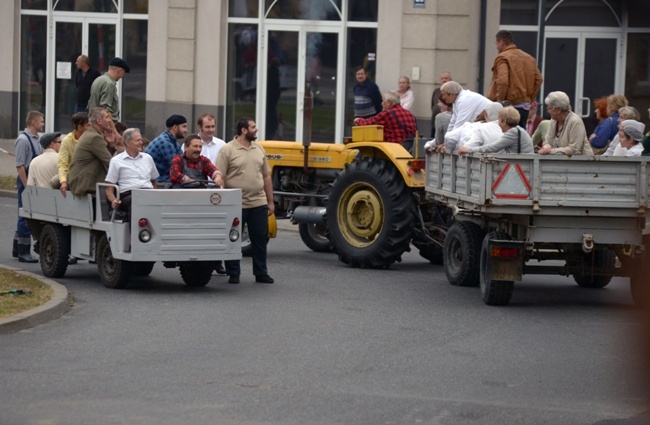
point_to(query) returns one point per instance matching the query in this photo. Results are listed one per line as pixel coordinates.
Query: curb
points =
(53, 309)
(9, 194)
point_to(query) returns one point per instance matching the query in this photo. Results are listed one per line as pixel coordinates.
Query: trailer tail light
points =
(505, 252)
(143, 222)
(235, 222)
(417, 164)
(234, 233)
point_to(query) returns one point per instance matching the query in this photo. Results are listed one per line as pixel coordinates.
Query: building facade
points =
(290, 63)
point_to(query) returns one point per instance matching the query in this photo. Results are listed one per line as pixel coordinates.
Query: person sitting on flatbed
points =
(192, 166)
(513, 140)
(566, 134)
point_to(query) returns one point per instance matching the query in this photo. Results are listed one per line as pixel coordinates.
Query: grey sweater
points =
(508, 143)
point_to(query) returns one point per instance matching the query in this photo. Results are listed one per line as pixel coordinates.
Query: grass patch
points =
(14, 304)
(8, 183)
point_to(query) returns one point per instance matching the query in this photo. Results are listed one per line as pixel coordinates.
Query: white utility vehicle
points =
(186, 228)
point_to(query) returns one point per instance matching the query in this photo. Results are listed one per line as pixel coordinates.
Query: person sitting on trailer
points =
(192, 169)
(514, 139)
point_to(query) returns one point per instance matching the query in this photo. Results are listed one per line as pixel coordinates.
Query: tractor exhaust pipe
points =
(315, 215)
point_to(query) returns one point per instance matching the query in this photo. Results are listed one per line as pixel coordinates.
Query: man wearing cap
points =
(43, 168)
(165, 147)
(630, 135)
(27, 148)
(103, 92)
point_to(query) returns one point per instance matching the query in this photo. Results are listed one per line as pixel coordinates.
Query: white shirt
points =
(484, 134)
(211, 150)
(132, 173)
(466, 108)
(457, 138)
(612, 146)
(635, 150)
(43, 168)
(406, 99)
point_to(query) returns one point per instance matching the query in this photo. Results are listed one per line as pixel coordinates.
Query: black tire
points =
(461, 253)
(602, 257)
(494, 292)
(114, 274)
(369, 214)
(142, 268)
(315, 237)
(432, 252)
(197, 274)
(54, 250)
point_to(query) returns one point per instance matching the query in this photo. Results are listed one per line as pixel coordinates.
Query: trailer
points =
(519, 214)
(186, 228)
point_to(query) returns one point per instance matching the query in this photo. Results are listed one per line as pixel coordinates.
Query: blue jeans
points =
(22, 230)
(258, 224)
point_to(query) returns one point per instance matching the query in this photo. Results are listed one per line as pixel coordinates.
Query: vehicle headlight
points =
(145, 236)
(234, 235)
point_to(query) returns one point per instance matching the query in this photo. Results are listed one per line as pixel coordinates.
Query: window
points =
(34, 4)
(519, 12)
(242, 74)
(32, 65)
(102, 6)
(134, 85)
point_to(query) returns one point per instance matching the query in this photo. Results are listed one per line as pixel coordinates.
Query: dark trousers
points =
(523, 117)
(22, 230)
(257, 220)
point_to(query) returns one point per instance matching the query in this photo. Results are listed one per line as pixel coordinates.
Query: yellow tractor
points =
(364, 199)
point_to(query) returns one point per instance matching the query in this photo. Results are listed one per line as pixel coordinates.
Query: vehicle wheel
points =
(369, 215)
(315, 236)
(431, 252)
(461, 253)
(142, 268)
(197, 274)
(602, 257)
(115, 274)
(54, 250)
(493, 292)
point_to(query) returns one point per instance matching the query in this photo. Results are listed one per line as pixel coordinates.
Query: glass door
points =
(73, 37)
(584, 65)
(301, 77)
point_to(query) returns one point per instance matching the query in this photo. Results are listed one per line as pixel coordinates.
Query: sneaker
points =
(234, 278)
(264, 279)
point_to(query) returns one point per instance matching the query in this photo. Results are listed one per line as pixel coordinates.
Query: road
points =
(326, 344)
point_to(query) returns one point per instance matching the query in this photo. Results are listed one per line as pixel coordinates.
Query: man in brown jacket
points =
(91, 155)
(515, 76)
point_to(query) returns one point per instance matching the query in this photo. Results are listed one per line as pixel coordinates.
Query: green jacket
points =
(103, 93)
(89, 163)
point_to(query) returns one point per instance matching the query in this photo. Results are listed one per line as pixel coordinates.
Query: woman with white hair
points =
(513, 140)
(566, 133)
(630, 135)
(625, 113)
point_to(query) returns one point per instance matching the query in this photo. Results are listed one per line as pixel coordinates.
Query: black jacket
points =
(83, 85)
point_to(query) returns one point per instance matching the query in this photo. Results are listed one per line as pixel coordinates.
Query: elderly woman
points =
(625, 113)
(607, 129)
(630, 136)
(566, 133)
(513, 140)
(405, 93)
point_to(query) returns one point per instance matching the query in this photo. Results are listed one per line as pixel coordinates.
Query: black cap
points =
(175, 120)
(47, 138)
(121, 63)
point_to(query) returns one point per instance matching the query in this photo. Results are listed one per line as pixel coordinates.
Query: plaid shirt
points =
(178, 166)
(393, 131)
(163, 149)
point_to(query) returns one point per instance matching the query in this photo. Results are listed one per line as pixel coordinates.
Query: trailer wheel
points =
(197, 274)
(601, 258)
(315, 236)
(461, 253)
(54, 250)
(142, 268)
(114, 274)
(494, 292)
(369, 215)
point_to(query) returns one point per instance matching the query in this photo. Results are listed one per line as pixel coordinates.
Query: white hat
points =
(492, 110)
(633, 129)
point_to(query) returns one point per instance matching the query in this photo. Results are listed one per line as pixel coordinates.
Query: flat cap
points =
(47, 138)
(121, 63)
(175, 120)
(634, 129)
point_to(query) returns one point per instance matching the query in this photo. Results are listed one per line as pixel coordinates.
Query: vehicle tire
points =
(603, 257)
(54, 250)
(142, 268)
(197, 274)
(315, 236)
(461, 253)
(114, 274)
(494, 292)
(431, 252)
(369, 214)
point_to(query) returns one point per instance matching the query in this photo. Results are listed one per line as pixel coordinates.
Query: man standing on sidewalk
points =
(243, 165)
(103, 92)
(27, 148)
(515, 76)
(84, 80)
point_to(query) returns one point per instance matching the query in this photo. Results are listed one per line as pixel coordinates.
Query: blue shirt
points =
(163, 149)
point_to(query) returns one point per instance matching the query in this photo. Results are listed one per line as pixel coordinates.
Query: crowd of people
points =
(507, 120)
(102, 149)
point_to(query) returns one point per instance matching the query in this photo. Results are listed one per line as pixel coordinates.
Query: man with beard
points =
(244, 165)
(165, 147)
(91, 155)
(192, 166)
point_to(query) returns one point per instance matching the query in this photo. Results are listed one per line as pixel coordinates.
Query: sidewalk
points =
(7, 162)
